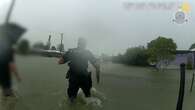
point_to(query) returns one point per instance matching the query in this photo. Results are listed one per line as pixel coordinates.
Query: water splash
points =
(7, 103)
(95, 102)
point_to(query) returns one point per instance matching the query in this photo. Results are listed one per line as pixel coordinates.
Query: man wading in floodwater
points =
(78, 75)
(9, 35)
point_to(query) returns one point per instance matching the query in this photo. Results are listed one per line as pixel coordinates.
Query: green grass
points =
(126, 88)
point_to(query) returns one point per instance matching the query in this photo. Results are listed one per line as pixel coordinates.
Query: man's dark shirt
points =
(6, 57)
(78, 60)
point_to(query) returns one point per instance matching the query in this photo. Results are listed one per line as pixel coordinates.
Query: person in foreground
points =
(7, 68)
(9, 35)
(78, 74)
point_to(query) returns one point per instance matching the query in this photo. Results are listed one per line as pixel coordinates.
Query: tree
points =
(133, 56)
(53, 48)
(47, 46)
(136, 56)
(23, 46)
(118, 59)
(39, 45)
(192, 46)
(161, 51)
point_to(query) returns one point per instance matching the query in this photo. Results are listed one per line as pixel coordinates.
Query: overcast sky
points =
(106, 24)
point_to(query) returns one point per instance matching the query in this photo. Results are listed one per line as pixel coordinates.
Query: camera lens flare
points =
(185, 7)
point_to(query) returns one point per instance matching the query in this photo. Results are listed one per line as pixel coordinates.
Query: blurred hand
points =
(14, 71)
(61, 61)
(19, 79)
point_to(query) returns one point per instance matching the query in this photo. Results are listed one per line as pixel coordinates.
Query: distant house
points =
(183, 56)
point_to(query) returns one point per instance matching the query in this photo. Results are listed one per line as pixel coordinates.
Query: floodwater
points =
(121, 88)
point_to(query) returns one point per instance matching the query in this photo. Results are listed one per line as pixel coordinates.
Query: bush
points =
(189, 66)
(39, 45)
(133, 56)
(23, 46)
(118, 59)
(136, 56)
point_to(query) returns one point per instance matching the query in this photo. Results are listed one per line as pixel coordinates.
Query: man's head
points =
(82, 43)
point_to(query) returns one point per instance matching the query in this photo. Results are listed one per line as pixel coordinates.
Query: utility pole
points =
(61, 45)
(192, 82)
(48, 46)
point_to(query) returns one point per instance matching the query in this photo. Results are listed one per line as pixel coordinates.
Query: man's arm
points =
(61, 60)
(14, 71)
(12, 66)
(65, 58)
(95, 64)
